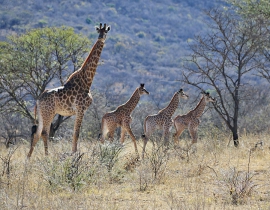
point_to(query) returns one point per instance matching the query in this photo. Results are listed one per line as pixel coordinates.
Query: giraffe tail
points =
(144, 128)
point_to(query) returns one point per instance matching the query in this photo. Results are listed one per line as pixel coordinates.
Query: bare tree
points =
(223, 62)
(12, 128)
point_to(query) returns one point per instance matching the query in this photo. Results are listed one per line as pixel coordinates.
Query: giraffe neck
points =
(198, 111)
(84, 76)
(130, 105)
(170, 109)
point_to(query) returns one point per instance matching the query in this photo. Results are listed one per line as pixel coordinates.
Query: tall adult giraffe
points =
(191, 119)
(162, 120)
(71, 99)
(121, 118)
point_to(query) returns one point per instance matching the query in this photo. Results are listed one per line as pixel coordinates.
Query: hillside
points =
(147, 42)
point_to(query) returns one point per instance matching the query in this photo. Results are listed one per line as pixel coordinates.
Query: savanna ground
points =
(212, 175)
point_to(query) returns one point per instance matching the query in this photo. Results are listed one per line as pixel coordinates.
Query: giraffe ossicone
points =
(72, 99)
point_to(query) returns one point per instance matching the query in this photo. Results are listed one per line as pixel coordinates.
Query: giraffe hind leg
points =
(35, 136)
(34, 141)
(110, 136)
(42, 131)
(147, 133)
(45, 136)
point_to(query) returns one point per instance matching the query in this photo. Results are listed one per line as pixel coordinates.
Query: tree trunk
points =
(55, 126)
(235, 138)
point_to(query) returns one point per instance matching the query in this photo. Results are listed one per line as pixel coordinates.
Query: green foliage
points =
(70, 172)
(110, 4)
(141, 34)
(157, 160)
(31, 61)
(88, 20)
(119, 46)
(159, 38)
(42, 23)
(250, 8)
(109, 155)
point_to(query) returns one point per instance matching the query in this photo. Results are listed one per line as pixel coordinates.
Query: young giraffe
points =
(191, 120)
(71, 99)
(162, 120)
(121, 118)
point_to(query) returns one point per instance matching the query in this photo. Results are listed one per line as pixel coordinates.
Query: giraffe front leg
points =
(193, 132)
(194, 136)
(76, 132)
(128, 129)
(145, 140)
(166, 137)
(166, 133)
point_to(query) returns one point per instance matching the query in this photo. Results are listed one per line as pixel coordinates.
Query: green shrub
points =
(88, 20)
(109, 155)
(141, 34)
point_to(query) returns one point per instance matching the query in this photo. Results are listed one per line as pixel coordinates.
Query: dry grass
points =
(214, 175)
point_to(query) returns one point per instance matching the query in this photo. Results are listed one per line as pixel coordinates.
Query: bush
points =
(88, 20)
(141, 34)
(237, 185)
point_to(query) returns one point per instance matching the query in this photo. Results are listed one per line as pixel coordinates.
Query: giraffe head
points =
(208, 98)
(102, 31)
(142, 90)
(182, 94)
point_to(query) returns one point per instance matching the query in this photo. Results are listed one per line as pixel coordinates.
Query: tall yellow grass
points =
(198, 178)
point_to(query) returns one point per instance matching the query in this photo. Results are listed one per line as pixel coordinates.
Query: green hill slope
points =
(147, 42)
